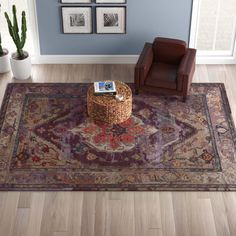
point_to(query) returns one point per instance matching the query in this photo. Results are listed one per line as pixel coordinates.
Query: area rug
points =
(48, 142)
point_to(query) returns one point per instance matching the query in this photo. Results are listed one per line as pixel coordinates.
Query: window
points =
(7, 42)
(213, 29)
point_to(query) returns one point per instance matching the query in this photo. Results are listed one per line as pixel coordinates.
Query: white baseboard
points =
(215, 60)
(85, 59)
(115, 59)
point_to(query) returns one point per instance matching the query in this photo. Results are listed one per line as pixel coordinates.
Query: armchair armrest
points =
(186, 70)
(143, 65)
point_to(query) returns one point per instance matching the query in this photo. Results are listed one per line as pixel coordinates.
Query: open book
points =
(105, 87)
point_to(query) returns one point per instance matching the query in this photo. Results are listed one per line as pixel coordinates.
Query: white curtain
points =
(216, 25)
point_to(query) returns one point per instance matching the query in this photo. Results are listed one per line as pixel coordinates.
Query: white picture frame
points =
(75, 1)
(111, 1)
(77, 20)
(111, 20)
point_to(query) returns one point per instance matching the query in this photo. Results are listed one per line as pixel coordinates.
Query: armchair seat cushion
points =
(162, 76)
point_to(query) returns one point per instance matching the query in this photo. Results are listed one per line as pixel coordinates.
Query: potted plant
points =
(20, 60)
(4, 57)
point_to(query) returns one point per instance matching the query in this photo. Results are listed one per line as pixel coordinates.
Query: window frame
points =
(32, 9)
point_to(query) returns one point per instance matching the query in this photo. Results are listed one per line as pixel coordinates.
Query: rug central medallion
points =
(113, 138)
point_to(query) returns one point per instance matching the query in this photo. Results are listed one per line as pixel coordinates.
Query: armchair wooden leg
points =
(184, 98)
(136, 91)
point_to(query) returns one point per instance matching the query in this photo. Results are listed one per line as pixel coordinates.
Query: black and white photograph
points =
(77, 20)
(111, 20)
(110, 1)
(75, 1)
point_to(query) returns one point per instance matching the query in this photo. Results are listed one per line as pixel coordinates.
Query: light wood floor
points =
(119, 213)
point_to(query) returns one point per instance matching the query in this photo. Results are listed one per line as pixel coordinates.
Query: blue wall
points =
(146, 19)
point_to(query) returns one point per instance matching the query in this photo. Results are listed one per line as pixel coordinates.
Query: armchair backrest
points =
(169, 51)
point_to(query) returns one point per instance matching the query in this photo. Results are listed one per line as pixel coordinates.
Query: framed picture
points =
(75, 1)
(77, 20)
(110, 1)
(111, 20)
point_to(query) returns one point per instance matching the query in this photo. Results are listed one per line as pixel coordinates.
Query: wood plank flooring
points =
(119, 213)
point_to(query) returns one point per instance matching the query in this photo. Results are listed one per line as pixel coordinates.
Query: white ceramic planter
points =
(21, 69)
(5, 62)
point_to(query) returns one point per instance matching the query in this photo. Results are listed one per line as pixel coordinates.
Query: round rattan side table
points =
(106, 108)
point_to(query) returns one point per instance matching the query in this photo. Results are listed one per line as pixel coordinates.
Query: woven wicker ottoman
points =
(106, 108)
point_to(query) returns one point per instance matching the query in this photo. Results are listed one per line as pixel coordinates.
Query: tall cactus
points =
(18, 39)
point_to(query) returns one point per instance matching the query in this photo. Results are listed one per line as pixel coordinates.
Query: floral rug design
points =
(48, 142)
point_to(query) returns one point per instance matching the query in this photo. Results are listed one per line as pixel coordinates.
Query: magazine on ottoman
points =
(105, 87)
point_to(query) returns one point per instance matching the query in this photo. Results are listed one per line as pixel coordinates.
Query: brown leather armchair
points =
(166, 67)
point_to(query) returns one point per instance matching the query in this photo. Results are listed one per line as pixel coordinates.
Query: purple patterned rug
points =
(48, 142)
